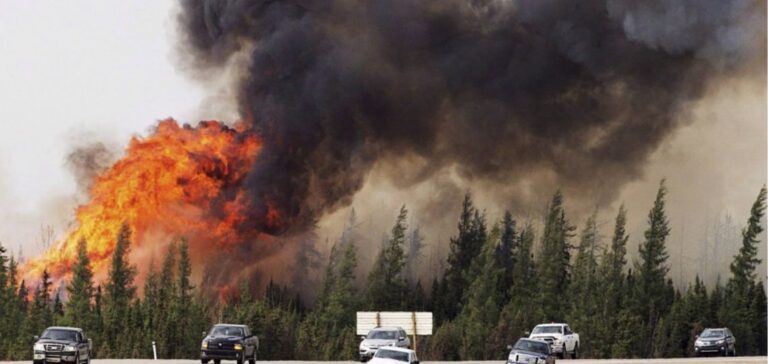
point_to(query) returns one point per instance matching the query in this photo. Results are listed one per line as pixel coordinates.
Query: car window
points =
(532, 345)
(547, 330)
(382, 335)
(568, 330)
(713, 333)
(227, 331)
(59, 334)
(392, 354)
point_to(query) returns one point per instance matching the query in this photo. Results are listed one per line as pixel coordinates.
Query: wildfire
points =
(179, 181)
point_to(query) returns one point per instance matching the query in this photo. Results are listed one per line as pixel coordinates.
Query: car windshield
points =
(59, 334)
(547, 330)
(532, 345)
(382, 335)
(226, 331)
(392, 354)
(712, 333)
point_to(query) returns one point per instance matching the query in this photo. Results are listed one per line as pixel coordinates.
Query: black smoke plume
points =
(579, 91)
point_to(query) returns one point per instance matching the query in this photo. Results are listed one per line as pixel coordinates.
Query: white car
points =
(562, 340)
(394, 355)
(382, 337)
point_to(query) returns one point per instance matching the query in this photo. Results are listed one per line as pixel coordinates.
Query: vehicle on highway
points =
(382, 336)
(60, 344)
(562, 340)
(530, 351)
(715, 341)
(394, 355)
(229, 342)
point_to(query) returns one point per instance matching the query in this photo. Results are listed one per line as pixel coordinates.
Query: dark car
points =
(62, 345)
(530, 351)
(715, 341)
(229, 342)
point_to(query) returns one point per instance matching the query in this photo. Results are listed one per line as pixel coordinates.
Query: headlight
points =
(238, 346)
(720, 341)
(205, 344)
(39, 347)
(69, 348)
(363, 346)
(698, 343)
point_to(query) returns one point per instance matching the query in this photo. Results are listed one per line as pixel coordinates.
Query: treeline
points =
(502, 278)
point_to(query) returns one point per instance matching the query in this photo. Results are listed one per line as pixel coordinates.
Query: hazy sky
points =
(78, 71)
(72, 71)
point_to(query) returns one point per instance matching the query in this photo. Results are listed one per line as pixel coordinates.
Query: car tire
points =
(253, 358)
(204, 361)
(216, 361)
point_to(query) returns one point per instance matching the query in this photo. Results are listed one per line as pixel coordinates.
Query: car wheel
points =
(575, 353)
(253, 358)
(241, 360)
(204, 361)
(216, 361)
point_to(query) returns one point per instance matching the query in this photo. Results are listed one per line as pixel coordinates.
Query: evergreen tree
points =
(740, 292)
(583, 291)
(611, 286)
(80, 291)
(651, 270)
(386, 284)
(505, 254)
(554, 260)
(119, 295)
(463, 249)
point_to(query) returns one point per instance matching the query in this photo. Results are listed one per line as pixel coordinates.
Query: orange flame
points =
(180, 181)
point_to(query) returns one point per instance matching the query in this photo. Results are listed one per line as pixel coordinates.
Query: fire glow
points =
(181, 181)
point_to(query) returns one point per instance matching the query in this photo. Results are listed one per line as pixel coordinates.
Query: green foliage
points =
(554, 260)
(80, 291)
(386, 282)
(583, 292)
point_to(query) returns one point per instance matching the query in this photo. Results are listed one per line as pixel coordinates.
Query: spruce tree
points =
(80, 291)
(652, 270)
(386, 284)
(583, 293)
(119, 294)
(736, 312)
(554, 260)
(482, 302)
(612, 285)
(505, 253)
(463, 249)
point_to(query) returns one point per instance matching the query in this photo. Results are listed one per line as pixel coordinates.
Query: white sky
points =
(102, 70)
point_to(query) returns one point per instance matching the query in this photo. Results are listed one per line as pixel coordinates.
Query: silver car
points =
(382, 336)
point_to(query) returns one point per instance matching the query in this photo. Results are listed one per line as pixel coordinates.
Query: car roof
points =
(552, 324)
(387, 328)
(64, 328)
(395, 348)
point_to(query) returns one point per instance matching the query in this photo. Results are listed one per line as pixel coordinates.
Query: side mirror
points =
(509, 347)
(36, 337)
(90, 342)
(696, 337)
(204, 334)
(401, 338)
(526, 333)
(362, 338)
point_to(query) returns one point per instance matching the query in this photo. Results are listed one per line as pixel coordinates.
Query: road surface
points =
(737, 360)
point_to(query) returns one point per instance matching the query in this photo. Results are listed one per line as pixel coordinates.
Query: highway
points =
(737, 360)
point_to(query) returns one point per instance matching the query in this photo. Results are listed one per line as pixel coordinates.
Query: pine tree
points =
(463, 249)
(505, 254)
(652, 270)
(80, 289)
(554, 260)
(583, 291)
(739, 297)
(119, 294)
(612, 285)
(386, 284)
(482, 301)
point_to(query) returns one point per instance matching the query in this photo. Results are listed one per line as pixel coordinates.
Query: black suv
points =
(715, 341)
(229, 342)
(62, 345)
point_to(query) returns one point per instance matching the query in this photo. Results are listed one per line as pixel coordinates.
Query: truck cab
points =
(562, 340)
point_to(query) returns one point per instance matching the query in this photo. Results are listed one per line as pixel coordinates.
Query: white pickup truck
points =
(562, 340)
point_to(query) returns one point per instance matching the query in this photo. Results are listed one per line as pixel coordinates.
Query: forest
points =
(501, 279)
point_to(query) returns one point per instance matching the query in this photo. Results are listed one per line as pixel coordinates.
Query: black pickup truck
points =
(229, 342)
(62, 345)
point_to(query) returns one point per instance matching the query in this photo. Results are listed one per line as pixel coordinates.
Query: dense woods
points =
(502, 278)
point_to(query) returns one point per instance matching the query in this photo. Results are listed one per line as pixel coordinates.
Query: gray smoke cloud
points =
(582, 92)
